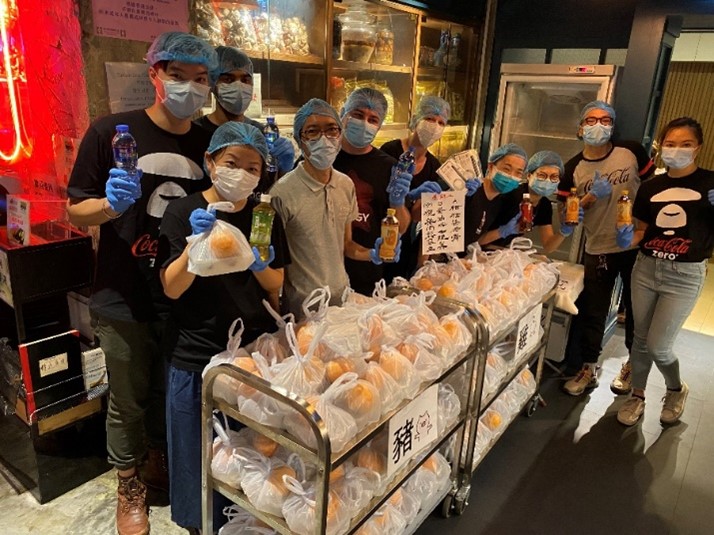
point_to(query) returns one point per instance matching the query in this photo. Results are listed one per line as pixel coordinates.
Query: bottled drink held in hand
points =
(405, 164)
(390, 236)
(124, 147)
(271, 133)
(262, 227)
(624, 209)
(525, 223)
(572, 209)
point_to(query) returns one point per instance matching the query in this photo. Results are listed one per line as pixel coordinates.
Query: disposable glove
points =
(201, 220)
(601, 186)
(284, 153)
(567, 230)
(374, 253)
(426, 187)
(510, 228)
(122, 190)
(259, 264)
(472, 186)
(624, 236)
(710, 196)
(398, 188)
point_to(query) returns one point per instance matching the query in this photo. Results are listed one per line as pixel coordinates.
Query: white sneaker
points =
(631, 411)
(585, 379)
(622, 383)
(673, 405)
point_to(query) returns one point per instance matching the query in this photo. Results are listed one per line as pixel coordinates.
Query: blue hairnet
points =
(366, 97)
(314, 106)
(183, 47)
(430, 105)
(231, 59)
(235, 133)
(505, 150)
(597, 105)
(543, 158)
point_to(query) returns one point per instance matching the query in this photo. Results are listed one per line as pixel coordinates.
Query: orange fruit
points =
(264, 445)
(337, 367)
(423, 284)
(276, 478)
(360, 399)
(448, 289)
(223, 243)
(372, 460)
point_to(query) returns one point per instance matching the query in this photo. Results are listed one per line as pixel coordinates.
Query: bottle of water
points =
(272, 133)
(405, 164)
(124, 146)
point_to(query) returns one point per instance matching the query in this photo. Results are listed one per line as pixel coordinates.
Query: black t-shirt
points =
(394, 149)
(126, 285)
(482, 214)
(370, 174)
(542, 213)
(679, 217)
(201, 317)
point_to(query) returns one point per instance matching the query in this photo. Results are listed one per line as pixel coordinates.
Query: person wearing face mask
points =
(370, 169)
(203, 308)
(317, 205)
(233, 92)
(127, 303)
(600, 173)
(674, 215)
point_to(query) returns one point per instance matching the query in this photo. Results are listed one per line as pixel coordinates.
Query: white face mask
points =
(323, 152)
(677, 157)
(234, 97)
(234, 184)
(183, 99)
(429, 132)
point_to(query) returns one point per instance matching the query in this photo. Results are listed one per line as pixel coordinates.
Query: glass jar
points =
(381, 85)
(384, 45)
(358, 35)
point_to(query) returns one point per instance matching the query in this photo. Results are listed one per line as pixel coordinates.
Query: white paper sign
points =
(139, 20)
(528, 332)
(94, 368)
(55, 364)
(255, 108)
(18, 220)
(129, 86)
(412, 429)
(5, 285)
(442, 222)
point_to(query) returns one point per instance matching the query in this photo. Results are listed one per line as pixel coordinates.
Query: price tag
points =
(528, 332)
(412, 429)
(55, 364)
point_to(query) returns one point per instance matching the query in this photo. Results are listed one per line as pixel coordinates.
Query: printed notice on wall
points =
(139, 20)
(129, 86)
(5, 285)
(442, 222)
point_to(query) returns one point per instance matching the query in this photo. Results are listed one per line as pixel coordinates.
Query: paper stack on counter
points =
(459, 168)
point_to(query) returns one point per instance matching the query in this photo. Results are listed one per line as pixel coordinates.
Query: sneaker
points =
(673, 405)
(584, 380)
(132, 513)
(622, 383)
(631, 411)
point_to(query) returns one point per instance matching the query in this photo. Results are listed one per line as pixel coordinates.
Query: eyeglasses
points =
(553, 178)
(605, 121)
(312, 134)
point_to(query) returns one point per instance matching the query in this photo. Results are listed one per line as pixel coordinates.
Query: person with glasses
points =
(600, 173)
(317, 205)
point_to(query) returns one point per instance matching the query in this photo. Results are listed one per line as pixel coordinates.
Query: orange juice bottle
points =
(624, 209)
(390, 236)
(572, 208)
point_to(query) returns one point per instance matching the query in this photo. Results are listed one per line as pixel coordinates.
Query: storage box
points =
(36, 220)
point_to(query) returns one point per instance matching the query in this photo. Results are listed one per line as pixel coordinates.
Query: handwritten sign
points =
(412, 429)
(442, 222)
(129, 86)
(139, 20)
(528, 332)
(55, 364)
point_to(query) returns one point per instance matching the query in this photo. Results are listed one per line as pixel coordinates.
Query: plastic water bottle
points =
(272, 133)
(124, 146)
(405, 164)
(262, 226)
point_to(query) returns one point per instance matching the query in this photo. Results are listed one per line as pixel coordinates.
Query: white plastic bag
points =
(571, 283)
(241, 522)
(301, 374)
(301, 516)
(449, 407)
(229, 454)
(356, 486)
(357, 397)
(387, 520)
(225, 387)
(222, 249)
(264, 485)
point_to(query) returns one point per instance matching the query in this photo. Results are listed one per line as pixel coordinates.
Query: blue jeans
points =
(663, 295)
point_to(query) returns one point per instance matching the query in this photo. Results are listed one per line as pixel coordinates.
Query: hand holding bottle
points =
(567, 230)
(122, 190)
(284, 153)
(374, 252)
(427, 187)
(601, 187)
(399, 185)
(624, 236)
(510, 228)
(201, 220)
(260, 264)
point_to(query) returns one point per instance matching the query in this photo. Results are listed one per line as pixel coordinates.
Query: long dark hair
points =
(682, 122)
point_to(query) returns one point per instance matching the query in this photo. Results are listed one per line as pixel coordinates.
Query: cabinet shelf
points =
(437, 72)
(546, 135)
(356, 66)
(311, 59)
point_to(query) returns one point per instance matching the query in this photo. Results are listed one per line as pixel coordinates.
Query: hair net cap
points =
(366, 97)
(236, 133)
(183, 47)
(545, 158)
(505, 150)
(314, 106)
(231, 59)
(597, 105)
(430, 105)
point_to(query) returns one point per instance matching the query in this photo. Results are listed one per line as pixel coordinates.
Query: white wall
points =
(694, 47)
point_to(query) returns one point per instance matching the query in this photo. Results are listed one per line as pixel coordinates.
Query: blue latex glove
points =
(710, 196)
(259, 264)
(201, 220)
(472, 186)
(625, 235)
(399, 185)
(284, 153)
(567, 230)
(601, 186)
(374, 253)
(510, 228)
(426, 187)
(122, 190)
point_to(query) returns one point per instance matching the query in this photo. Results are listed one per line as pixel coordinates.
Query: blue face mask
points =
(597, 134)
(323, 152)
(544, 188)
(504, 183)
(360, 133)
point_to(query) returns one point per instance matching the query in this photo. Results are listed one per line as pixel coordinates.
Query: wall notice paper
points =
(139, 20)
(129, 86)
(412, 429)
(442, 222)
(18, 220)
(5, 284)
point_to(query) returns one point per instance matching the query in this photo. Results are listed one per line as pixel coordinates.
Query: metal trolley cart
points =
(461, 371)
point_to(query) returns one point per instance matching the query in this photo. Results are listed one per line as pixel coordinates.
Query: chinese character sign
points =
(129, 86)
(140, 20)
(442, 222)
(412, 429)
(528, 332)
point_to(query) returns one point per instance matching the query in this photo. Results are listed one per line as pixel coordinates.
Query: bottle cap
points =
(391, 211)
(121, 128)
(264, 197)
(526, 196)
(625, 192)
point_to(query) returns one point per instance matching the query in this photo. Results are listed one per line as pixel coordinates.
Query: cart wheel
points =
(532, 406)
(447, 506)
(460, 506)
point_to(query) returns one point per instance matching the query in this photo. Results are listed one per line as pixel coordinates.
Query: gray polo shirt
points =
(315, 216)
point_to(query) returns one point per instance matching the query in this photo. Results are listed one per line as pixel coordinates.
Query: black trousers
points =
(588, 326)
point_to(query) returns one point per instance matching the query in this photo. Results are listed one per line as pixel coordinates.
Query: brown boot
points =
(132, 512)
(155, 471)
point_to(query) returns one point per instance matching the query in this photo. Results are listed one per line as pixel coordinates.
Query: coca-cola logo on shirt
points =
(145, 246)
(618, 176)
